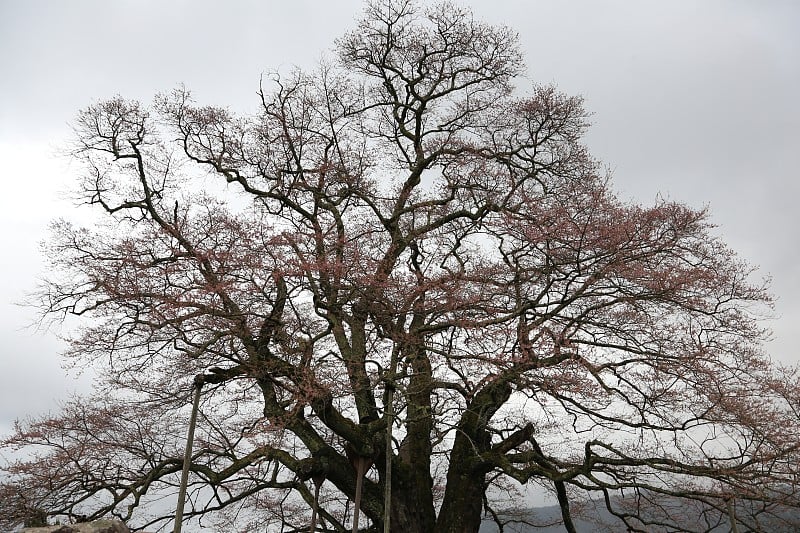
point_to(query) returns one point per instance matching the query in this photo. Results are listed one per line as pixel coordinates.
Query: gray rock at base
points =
(98, 526)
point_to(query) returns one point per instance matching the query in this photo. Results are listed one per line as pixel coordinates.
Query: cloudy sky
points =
(694, 100)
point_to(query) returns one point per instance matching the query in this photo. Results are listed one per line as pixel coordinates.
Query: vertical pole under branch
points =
(361, 467)
(318, 481)
(732, 515)
(187, 455)
(387, 489)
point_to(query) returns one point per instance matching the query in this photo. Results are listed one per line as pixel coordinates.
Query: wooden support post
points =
(732, 515)
(318, 481)
(187, 455)
(387, 490)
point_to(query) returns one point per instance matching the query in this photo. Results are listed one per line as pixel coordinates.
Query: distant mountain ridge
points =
(593, 517)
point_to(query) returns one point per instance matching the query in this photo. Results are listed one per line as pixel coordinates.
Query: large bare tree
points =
(402, 225)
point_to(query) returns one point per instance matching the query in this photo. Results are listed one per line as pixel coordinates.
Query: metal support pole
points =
(732, 515)
(187, 455)
(361, 467)
(318, 481)
(387, 491)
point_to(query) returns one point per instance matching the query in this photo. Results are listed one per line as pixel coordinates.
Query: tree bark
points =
(563, 502)
(461, 509)
(412, 509)
(466, 475)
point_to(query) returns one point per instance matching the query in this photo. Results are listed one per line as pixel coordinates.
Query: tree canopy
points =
(403, 245)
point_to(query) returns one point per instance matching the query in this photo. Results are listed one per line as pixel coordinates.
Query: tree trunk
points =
(412, 484)
(407, 517)
(412, 504)
(466, 474)
(461, 509)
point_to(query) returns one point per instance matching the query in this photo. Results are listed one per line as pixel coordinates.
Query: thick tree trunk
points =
(466, 474)
(463, 500)
(412, 484)
(413, 509)
(463, 511)
(409, 514)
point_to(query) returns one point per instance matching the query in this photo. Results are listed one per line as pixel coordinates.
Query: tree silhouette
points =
(403, 222)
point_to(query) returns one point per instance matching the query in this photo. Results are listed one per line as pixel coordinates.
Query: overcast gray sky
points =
(696, 100)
